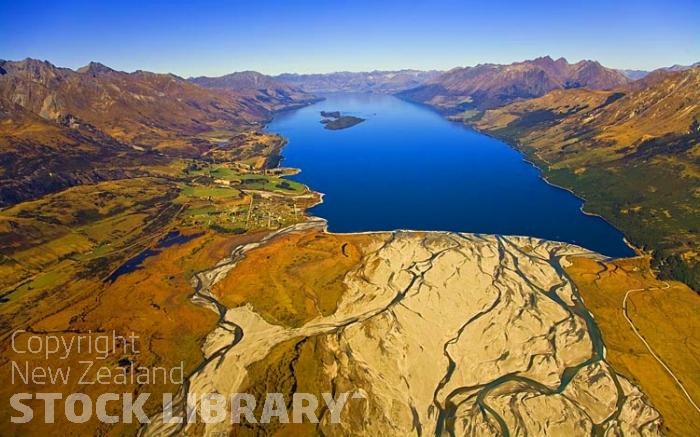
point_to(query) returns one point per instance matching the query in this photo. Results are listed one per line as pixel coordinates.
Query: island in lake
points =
(333, 120)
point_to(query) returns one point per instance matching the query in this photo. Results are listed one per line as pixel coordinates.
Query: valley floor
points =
(478, 335)
(95, 258)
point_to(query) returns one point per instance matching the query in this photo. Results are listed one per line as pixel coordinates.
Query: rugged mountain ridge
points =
(374, 81)
(142, 108)
(491, 85)
(259, 86)
(60, 127)
(240, 81)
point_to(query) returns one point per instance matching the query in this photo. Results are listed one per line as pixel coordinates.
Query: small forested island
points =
(335, 121)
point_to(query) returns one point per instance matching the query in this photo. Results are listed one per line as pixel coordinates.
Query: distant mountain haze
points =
(275, 93)
(634, 74)
(640, 74)
(243, 80)
(374, 81)
(385, 82)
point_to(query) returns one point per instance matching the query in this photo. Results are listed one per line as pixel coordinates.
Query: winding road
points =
(648, 346)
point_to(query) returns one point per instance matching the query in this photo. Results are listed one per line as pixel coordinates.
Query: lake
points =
(407, 167)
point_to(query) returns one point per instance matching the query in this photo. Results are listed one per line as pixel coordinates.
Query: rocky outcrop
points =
(442, 333)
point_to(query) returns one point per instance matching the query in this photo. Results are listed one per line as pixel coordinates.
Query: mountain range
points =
(272, 91)
(388, 82)
(639, 74)
(141, 108)
(491, 85)
(62, 127)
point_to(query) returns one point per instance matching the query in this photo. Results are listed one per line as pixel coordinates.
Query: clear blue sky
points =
(218, 37)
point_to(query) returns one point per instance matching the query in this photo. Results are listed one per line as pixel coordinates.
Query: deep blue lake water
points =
(407, 167)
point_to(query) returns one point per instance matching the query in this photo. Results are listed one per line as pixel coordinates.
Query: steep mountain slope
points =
(374, 81)
(489, 85)
(263, 88)
(633, 154)
(60, 127)
(39, 156)
(143, 108)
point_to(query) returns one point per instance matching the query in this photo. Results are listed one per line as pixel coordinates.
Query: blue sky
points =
(217, 37)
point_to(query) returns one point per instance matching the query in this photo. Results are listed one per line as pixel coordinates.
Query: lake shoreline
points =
(515, 145)
(542, 172)
(450, 220)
